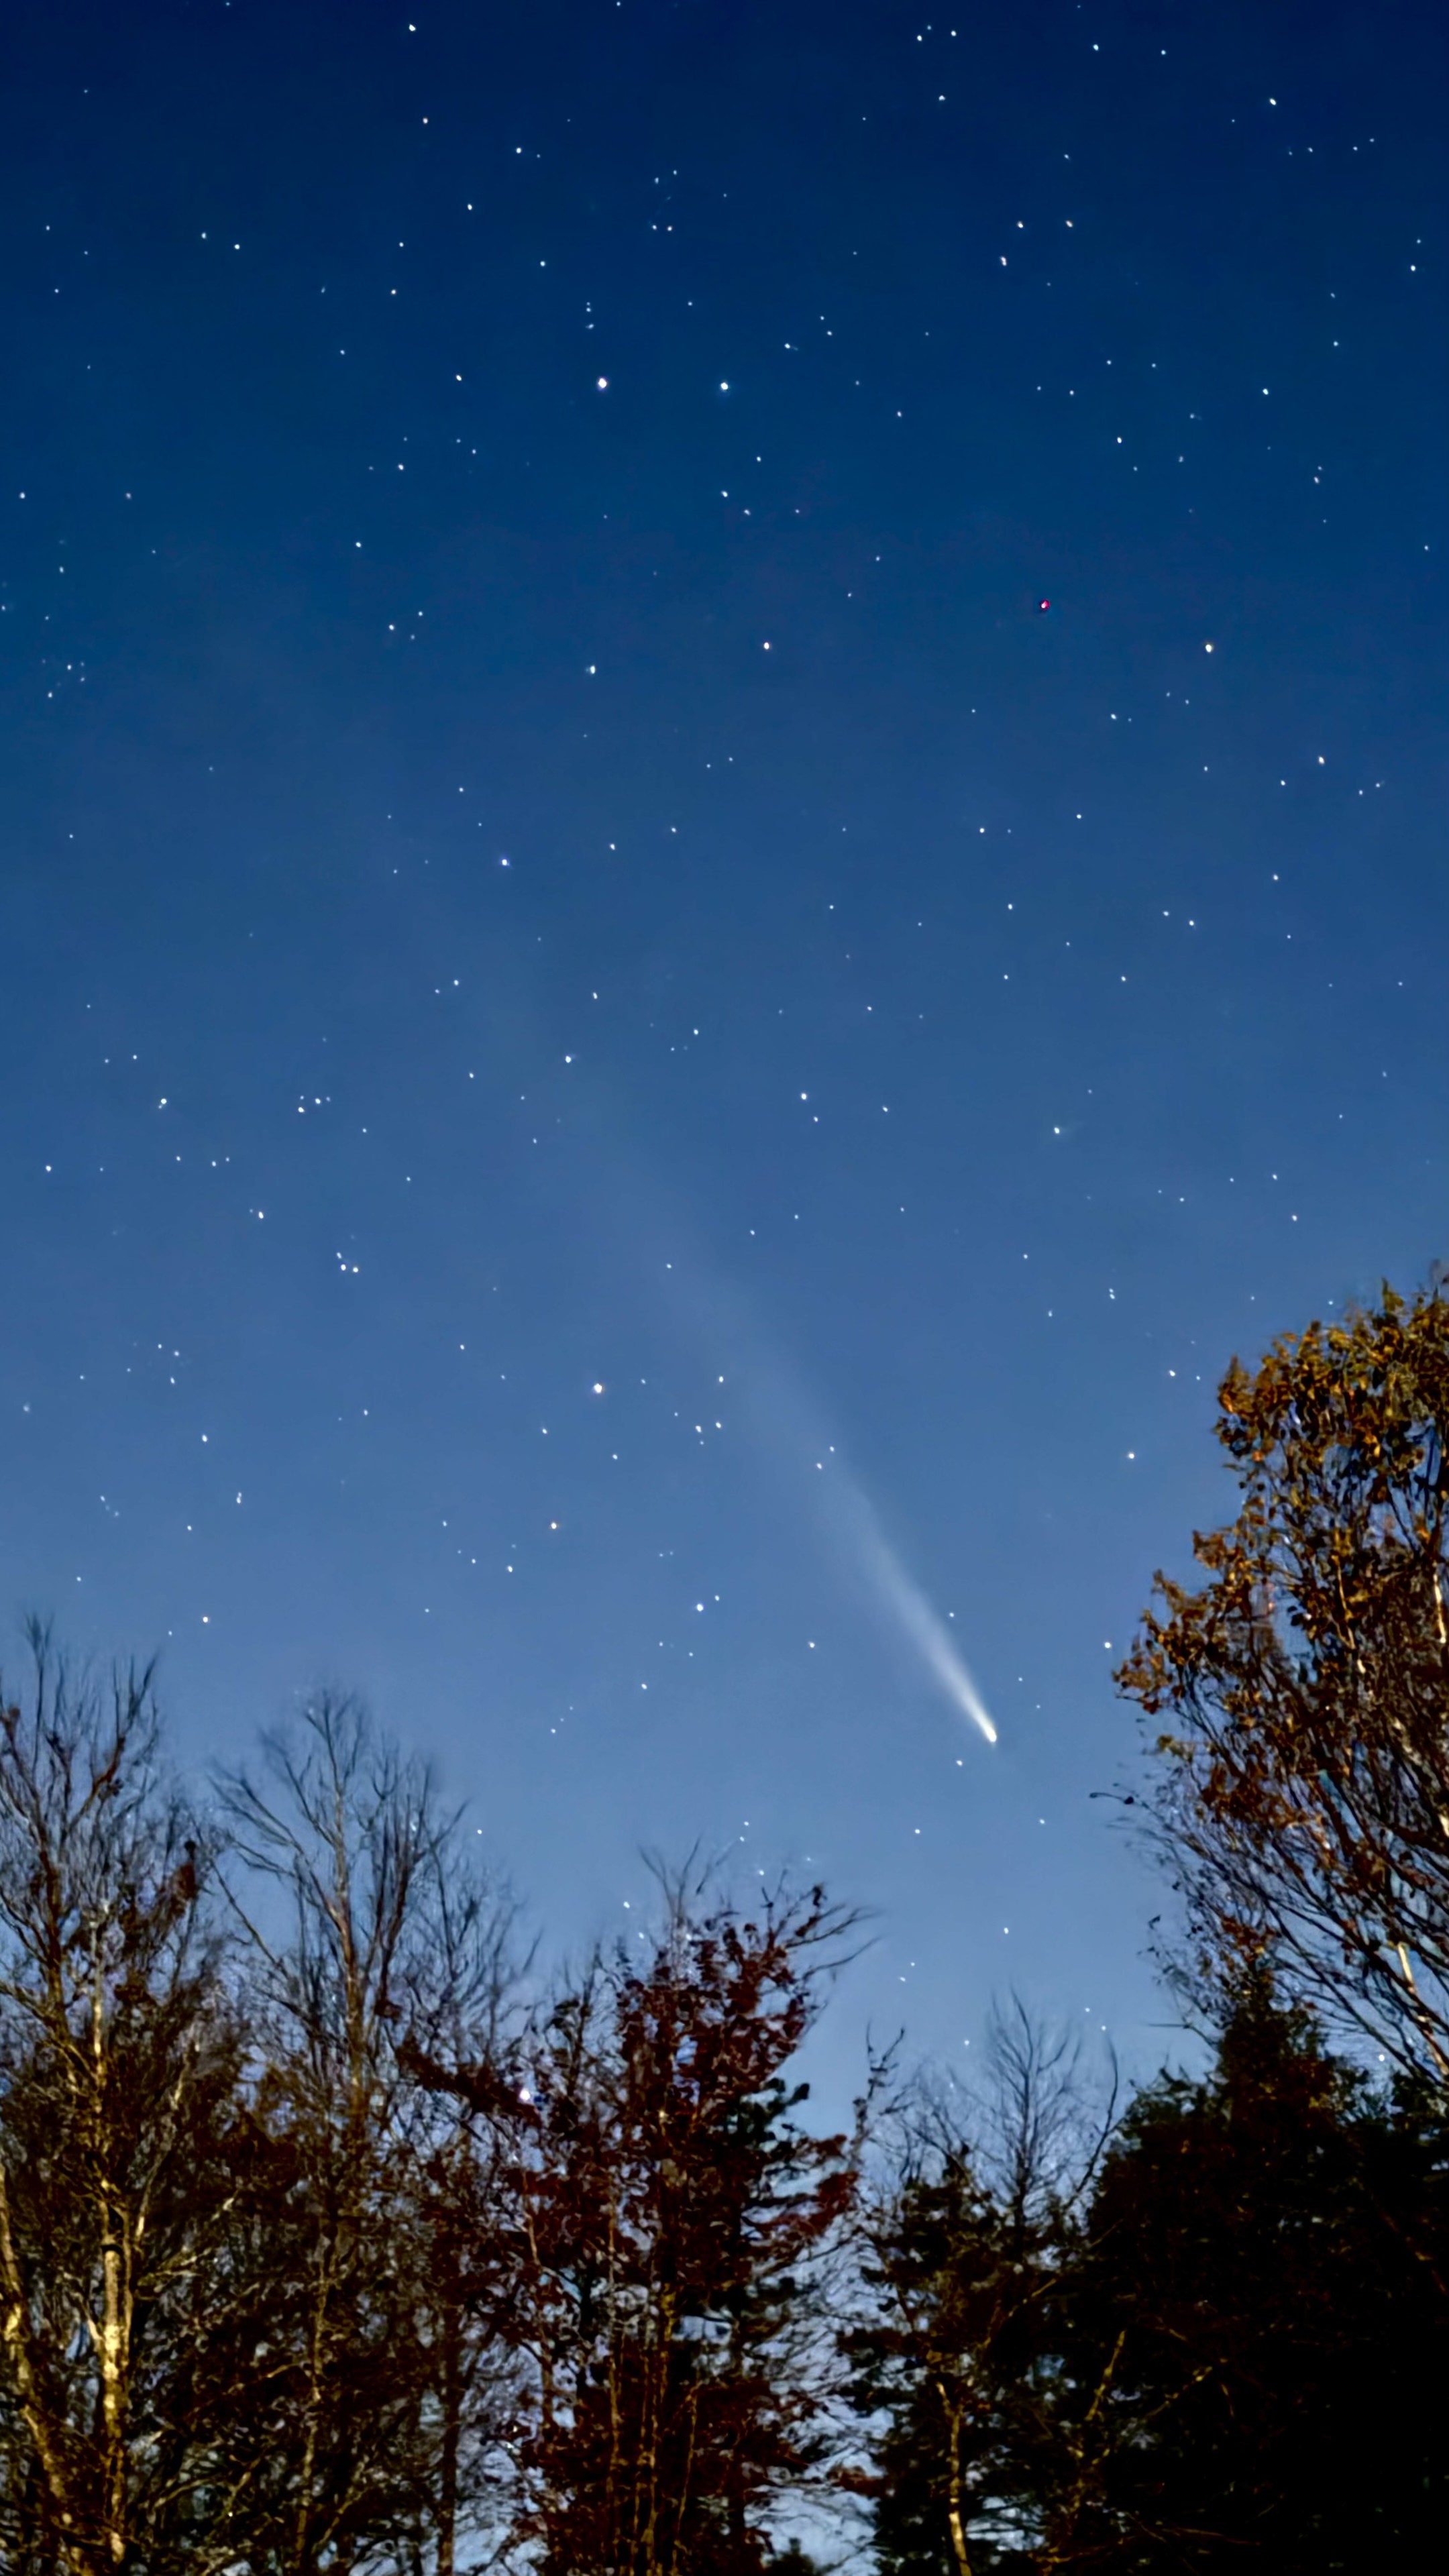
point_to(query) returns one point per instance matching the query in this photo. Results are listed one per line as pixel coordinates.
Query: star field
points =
(723, 825)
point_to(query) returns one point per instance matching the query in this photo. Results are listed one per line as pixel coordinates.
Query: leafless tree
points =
(371, 2393)
(119, 2114)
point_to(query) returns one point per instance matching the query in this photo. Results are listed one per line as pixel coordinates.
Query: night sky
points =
(723, 843)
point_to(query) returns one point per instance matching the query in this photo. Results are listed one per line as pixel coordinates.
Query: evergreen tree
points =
(1267, 2272)
(968, 2251)
(1231, 2352)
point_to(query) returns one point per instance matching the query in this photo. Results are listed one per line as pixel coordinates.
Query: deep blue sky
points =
(549, 845)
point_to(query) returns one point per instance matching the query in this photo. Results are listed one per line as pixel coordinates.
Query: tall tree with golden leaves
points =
(1303, 1788)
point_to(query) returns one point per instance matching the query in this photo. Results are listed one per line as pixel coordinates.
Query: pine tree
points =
(1267, 2264)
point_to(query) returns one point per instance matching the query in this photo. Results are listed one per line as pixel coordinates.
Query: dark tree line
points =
(1223, 2342)
(327, 2242)
(334, 2238)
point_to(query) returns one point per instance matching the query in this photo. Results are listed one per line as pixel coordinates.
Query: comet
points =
(787, 1420)
(899, 1596)
(788, 1425)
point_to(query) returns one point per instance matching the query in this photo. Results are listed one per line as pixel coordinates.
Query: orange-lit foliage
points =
(1305, 1787)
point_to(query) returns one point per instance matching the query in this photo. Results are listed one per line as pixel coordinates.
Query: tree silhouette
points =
(969, 2246)
(1264, 2269)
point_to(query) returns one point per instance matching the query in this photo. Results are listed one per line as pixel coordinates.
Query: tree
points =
(365, 2402)
(951, 2337)
(119, 2117)
(1226, 2348)
(1304, 1794)
(968, 2244)
(1261, 2293)
(669, 2216)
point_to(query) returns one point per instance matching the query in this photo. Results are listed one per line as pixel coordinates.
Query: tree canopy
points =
(1303, 1790)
